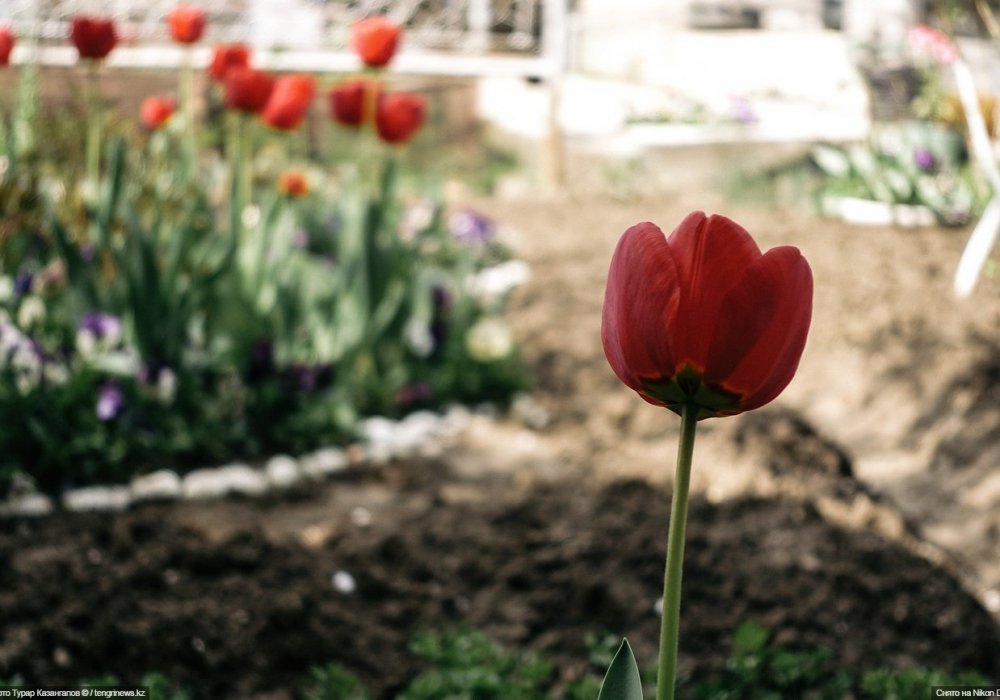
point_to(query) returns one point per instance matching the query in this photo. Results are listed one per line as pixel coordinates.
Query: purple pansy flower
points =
(925, 159)
(101, 325)
(22, 283)
(110, 402)
(471, 227)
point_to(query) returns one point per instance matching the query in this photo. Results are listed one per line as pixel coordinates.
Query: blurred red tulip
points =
(399, 116)
(187, 24)
(289, 101)
(7, 41)
(347, 101)
(703, 318)
(248, 89)
(375, 40)
(93, 37)
(226, 57)
(293, 184)
(155, 111)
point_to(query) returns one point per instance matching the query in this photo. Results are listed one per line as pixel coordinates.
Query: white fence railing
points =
(457, 37)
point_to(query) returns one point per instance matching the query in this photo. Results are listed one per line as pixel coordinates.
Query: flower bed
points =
(212, 290)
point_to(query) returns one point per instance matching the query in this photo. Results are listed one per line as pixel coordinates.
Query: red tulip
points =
(399, 115)
(7, 42)
(94, 37)
(347, 101)
(226, 57)
(247, 89)
(187, 24)
(293, 184)
(289, 101)
(703, 318)
(155, 111)
(375, 40)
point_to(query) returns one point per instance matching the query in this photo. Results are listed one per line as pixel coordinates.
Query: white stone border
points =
(419, 433)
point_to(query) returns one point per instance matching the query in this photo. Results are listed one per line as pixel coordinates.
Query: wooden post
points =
(555, 30)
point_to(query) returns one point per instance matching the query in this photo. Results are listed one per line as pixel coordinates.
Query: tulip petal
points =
(762, 328)
(711, 255)
(640, 305)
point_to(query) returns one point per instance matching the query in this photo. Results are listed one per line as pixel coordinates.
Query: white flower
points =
(166, 386)
(86, 343)
(55, 374)
(489, 339)
(416, 219)
(251, 215)
(419, 338)
(6, 288)
(32, 311)
(27, 368)
(498, 280)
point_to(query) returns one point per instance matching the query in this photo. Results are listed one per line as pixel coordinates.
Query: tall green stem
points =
(94, 117)
(188, 100)
(670, 622)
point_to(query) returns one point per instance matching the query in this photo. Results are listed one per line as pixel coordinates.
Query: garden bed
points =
(237, 599)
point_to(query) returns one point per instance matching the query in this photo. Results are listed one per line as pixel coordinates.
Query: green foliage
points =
(468, 665)
(246, 327)
(915, 164)
(759, 670)
(912, 683)
(333, 682)
(622, 681)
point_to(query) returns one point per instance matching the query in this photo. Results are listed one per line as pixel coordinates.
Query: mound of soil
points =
(241, 611)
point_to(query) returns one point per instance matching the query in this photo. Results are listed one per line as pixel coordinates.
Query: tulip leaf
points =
(622, 681)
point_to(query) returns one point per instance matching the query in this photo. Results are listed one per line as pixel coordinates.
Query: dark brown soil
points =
(246, 611)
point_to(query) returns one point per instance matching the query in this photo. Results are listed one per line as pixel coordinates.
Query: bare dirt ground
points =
(859, 512)
(899, 379)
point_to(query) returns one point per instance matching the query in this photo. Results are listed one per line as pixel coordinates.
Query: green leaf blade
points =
(622, 681)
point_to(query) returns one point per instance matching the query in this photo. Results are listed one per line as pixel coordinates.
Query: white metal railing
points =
(458, 37)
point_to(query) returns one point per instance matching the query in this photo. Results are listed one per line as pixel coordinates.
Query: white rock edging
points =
(419, 433)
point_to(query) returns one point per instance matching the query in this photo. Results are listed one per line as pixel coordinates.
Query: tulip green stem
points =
(94, 118)
(188, 108)
(670, 621)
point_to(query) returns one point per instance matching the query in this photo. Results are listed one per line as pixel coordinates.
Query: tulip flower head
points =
(293, 184)
(187, 24)
(93, 37)
(248, 89)
(7, 42)
(375, 40)
(155, 111)
(399, 116)
(225, 57)
(289, 102)
(702, 318)
(347, 101)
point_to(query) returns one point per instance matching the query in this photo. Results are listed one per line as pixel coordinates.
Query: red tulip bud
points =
(399, 116)
(187, 24)
(289, 102)
(347, 101)
(248, 89)
(94, 37)
(226, 57)
(155, 111)
(702, 318)
(293, 184)
(7, 41)
(375, 40)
